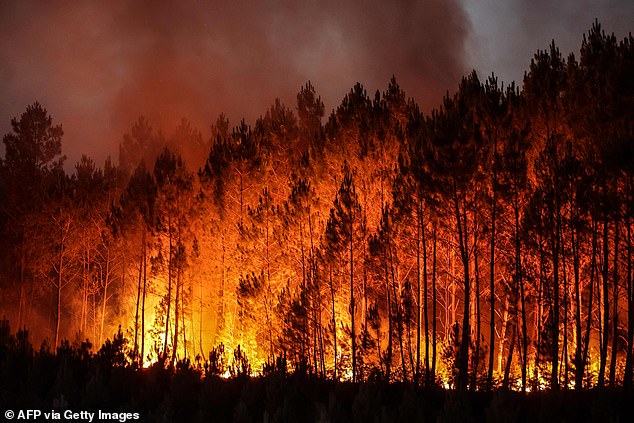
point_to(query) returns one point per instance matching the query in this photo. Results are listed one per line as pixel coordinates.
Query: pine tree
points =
(343, 230)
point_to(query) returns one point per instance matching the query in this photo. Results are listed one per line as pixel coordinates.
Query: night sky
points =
(96, 66)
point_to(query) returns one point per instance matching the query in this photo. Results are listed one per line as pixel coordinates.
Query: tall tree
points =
(262, 249)
(542, 87)
(173, 206)
(456, 149)
(343, 230)
(600, 78)
(32, 164)
(133, 219)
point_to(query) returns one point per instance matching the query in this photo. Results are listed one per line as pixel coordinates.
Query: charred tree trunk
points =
(143, 301)
(627, 376)
(492, 293)
(606, 306)
(425, 302)
(520, 281)
(564, 353)
(60, 267)
(432, 376)
(390, 328)
(593, 276)
(169, 289)
(353, 334)
(177, 310)
(509, 361)
(476, 355)
(138, 305)
(555, 240)
(334, 324)
(419, 308)
(579, 363)
(615, 306)
(461, 226)
(104, 302)
(58, 291)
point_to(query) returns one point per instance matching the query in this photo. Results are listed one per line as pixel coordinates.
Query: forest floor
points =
(74, 382)
(182, 395)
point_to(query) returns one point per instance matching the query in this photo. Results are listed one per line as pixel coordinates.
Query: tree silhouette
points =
(455, 151)
(342, 235)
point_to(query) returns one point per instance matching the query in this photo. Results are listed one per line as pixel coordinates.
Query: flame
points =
(249, 336)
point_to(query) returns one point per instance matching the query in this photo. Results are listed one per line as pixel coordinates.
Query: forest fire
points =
(485, 245)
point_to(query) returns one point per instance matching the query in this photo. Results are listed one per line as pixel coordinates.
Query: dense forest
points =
(485, 244)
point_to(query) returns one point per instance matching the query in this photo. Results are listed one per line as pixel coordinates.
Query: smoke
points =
(507, 34)
(96, 66)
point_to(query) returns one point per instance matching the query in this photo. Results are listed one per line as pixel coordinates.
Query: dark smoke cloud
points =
(97, 65)
(508, 33)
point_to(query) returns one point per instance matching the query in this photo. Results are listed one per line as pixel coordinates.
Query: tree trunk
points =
(606, 307)
(520, 281)
(615, 305)
(476, 355)
(505, 325)
(84, 291)
(419, 309)
(183, 315)
(492, 294)
(268, 292)
(106, 279)
(433, 313)
(539, 308)
(390, 330)
(22, 300)
(593, 276)
(509, 361)
(58, 309)
(463, 359)
(177, 311)
(579, 359)
(564, 352)
(63, 227)
(627, 376)
(200, 321)
(425, 301)
(334, 324)
(138, 305)
(169, 289)
(143, 301)
(554, 376)
(352, 309)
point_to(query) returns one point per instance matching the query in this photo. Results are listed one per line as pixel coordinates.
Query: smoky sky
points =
(97, 66)
(506, 34)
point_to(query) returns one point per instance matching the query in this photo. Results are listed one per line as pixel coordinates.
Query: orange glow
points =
(487, 244)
